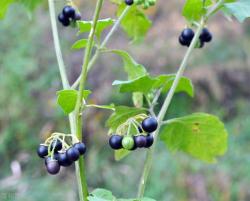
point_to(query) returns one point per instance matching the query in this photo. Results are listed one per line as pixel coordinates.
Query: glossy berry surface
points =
(206, 36)
(56, 145)
(129, 2)
(149, 124)
(73, 154)
(42, 151)
(187, 34)
(63, 160)
(184, 42)
(80, 147)
(140, 141)
(128, 142)
(149, 141)
(69, 12)
(53, 167)
(115, 142)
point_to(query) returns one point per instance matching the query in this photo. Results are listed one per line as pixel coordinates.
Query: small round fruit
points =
(201, 44)
(69, 12)
(206, 36)
(77, 16)
(81, 147)
(183, 42)
(42, 150)
(187, 34)
(56, 145)
(128, 142)
(73, 154)
(129, 2)
(133, 148)
(149, 124)
(53, 167)
(140, 129)
(150, 141)
(115, 142)
(63, 160)
(140, 141)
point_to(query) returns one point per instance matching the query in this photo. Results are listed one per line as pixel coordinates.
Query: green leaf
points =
(136, 24)
(147, 83)
(4, 4)
(240, 9)
(80, 44)
(203, 136)
(29, 4)
(194, 9)
(101, 195)
(120, 154)
(85, 26)
(67, 99)
(134, 70)
(121, 114)
(136, 199)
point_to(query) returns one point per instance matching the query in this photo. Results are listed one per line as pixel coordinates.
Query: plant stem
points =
(79, 105)
(58, 51)
(149, 156)
(104, 43)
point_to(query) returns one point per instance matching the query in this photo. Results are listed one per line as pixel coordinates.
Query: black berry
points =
(206, 36)
(69, 12)
(77, 16)
(53, 167)
(149, 124)
(115, 142)
(56, 145)
(63, 160)
(201, 44)
(129, 2)
(140, 129)
(187, 34)
(150, 141)
(81, 147)
(42, 151)
(73, 154)
(184, 42)
(140, 141)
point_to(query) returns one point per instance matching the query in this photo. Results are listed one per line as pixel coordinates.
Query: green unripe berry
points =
(128, 142)
(151, 2)
(145, 5)
(138, 2)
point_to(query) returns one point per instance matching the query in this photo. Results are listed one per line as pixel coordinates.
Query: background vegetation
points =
(29, 80)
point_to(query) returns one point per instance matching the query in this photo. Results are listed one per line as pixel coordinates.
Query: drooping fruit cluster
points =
(143, 139)
(68, 16)
(187, 36)
(56, 153)
(145, 3)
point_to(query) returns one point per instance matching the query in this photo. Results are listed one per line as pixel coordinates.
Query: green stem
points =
(104, 43)
(149, 156)
(79, 104)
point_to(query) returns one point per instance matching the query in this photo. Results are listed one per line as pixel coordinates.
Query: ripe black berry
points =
(53, 167)
(81, 147)
(56, 145)
(73, 154)
(69, 12)
(201, 44)
(140, 141)
(150, 141)
(187, 34)
(63, 160)
(77, 16)
(129, 2)
(149, 124)
(42, 150)
(206, 36)
(184, 42)
(115, 142)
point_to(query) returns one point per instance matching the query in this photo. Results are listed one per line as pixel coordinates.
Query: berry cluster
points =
(58, 153)
(128, 142)
(68, 16)
(145, 3)
(187, 36)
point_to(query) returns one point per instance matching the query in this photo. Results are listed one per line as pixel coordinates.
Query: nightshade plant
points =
(200, 135)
